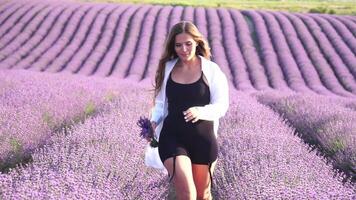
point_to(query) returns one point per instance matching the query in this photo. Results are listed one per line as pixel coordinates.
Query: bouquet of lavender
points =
(147, 131)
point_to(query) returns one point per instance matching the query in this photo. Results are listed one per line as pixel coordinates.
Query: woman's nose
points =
(184, 48)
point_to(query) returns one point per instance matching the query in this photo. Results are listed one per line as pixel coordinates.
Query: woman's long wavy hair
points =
(169, 53)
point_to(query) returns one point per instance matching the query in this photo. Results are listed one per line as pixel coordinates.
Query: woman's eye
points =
(177, 45)
(189, 44)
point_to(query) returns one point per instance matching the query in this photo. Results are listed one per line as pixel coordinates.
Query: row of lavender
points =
(327, 124)
(260, 157)
(258, 50)
(100, 159)
(35, 106)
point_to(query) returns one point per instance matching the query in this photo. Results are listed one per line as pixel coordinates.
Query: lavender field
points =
(75, 78)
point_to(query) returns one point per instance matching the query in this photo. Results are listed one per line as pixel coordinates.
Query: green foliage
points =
(17, 156)
(289, 107)
(331, 11)
(48, 119)
(324, 10)
(341, 7)
(89, 108)
(336, 146)
(16, 146)
(292, 182)
(110, 96)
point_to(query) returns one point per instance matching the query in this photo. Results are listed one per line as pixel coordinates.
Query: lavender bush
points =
(33, 106)
(101, 158)
(325, 123)
(147, 131)
(309, 73)
(263, 45)
(258, 50)
(259, 158)
(289, 132)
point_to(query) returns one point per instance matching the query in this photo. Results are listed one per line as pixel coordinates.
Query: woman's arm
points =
(157, 110)
(219, 89)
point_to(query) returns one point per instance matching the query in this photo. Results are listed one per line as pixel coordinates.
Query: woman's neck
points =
(190, 64)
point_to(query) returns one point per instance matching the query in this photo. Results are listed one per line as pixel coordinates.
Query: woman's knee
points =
(168, 164)
(204, 194)
(180, 170)
(203, 180)
(185, 192)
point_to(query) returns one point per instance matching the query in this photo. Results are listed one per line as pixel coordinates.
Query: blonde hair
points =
(169, 53)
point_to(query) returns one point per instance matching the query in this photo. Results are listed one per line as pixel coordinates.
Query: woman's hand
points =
(154, 125)
(191, 114)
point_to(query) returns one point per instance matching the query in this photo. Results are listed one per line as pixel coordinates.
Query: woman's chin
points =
(186, 58)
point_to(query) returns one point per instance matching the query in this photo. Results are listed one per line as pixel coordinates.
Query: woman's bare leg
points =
(182, 177)
(202, 181)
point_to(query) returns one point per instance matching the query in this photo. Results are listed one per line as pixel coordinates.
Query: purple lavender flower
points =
(147, 131)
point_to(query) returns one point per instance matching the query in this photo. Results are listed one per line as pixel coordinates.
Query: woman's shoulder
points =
(210, 65)
(171, 61)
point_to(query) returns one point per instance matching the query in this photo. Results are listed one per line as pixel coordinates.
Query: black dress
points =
(178, 137)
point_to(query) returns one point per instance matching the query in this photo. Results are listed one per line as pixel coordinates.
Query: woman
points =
(191, 94)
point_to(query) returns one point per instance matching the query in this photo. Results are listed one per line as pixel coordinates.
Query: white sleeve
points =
(219, 101)
(157, 110)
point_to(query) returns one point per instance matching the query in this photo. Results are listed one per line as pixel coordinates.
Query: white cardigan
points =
(219, 95)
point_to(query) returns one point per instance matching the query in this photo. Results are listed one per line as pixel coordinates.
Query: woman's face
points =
(185, 46)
